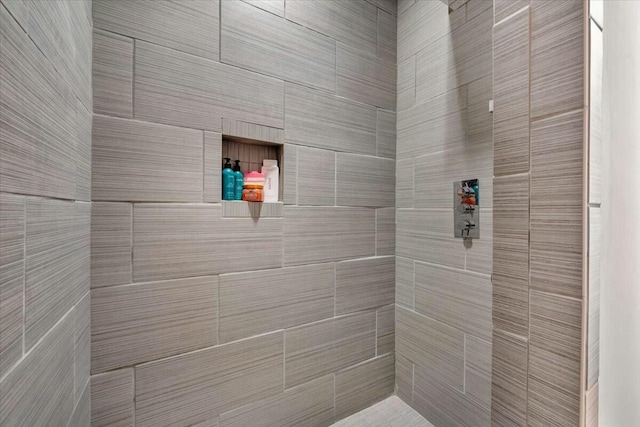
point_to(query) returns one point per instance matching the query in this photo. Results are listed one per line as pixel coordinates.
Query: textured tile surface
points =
(327, 234)
(477, 377)
(385, 329)
(290, 174)
(404, 281)
(404, 378)
(137, 161)
(364, 284)
(319, 348)
(112, 395)
(111, 234)
(212, 191)
(431, 344)
(455, 297)
(259, 41)
(509, 379)
(82, 342)
(308, 404)
(593, 325)
(404, 183)
(504, 8)
(361, 386)
(82, 412)
(12, 229)
(365, 78)
(386, 134)
(198, 386)
(56, 262)
(274, 6)
(387, 34)
(173, 241)
(231, 127)
(112, 74)
(511, 95)
(176, 88)
(391, 412)
(325, 121)
(353, 22)
(385, 231)
(194, 25)
(596, 52)
(406, 83)
(316, 177)
(257, 302)
(137, 323)
(238, 209)
(357, 175)
(557, 57)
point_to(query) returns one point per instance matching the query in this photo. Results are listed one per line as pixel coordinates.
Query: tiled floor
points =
(391, 412)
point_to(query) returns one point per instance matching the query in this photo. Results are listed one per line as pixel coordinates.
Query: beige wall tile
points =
(82, 346)
(509, 379)
(82, 412)
(198, 386)
(131, 324)
(386, 134)
(364, 284)
(194, 25)
(316, 177)
(137, 161)
(404, 378)
(404, 183)
(259, 41)
(385, 329)
(84, 120)
(477, 377)
(261, 301)
(504, 8)
(327, 234)
(406, 84)
(290, 174)
(112, 395)
(319, 348)
(112, 74)
(385, 231)
(593, 324)
(363, 385)
(427, 22)
(387, 30)
(231, 127)
(364, 180)
(274, 6)
(212, 167)
(405, 275)
(111, 240)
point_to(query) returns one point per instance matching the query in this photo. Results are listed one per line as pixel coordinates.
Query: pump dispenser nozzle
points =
(227, 163)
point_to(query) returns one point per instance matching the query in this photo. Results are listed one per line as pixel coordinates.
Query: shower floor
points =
(391, 412)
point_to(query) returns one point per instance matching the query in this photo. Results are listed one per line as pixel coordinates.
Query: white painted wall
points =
(620, 316)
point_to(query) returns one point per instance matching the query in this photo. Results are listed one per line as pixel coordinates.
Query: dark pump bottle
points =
(228, 181)
(239, 180)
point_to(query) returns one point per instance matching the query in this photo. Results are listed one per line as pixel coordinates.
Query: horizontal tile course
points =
(112, 74)
(111, 239)
(357, 175)
(364, 284)
(112, 395)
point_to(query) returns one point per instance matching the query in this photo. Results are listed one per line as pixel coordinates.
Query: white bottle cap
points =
(269, 163)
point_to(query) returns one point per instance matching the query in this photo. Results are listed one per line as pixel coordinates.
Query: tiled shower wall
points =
(443, 284)
(200, 318)
(45, 193)
(539, 210)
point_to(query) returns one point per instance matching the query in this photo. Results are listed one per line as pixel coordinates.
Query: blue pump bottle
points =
(239, 180)
(228, 181)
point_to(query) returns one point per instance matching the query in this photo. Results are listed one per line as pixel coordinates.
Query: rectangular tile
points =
(12, 229)
(313, 235)
(511, 95)
(175, 88)
(386, 5)
(508, 379)
(81, 34)
(479, 118)
(504, 8)
(385, 329)
(239, 209)
(212, 191)
(364, 284)
(112, 395)
(82, 338)
(290, 174)
(357, 175)
(363, 385)
(386, 134)
(365, 78)
(112, 74)
(477, 377)
(41, 386)
(458, 298)
(593, 325)
(82, 412)
(428, 21)
(429, 343)
(385, 231)
(427, 235)
(194, 25)
(557, 36)
(240, 129)
(259, 41)
(319, 348)
(404, 378)
(172, 241)
(479, 253)
(316, 177)
(405, 281)
(406, 84)
(261, 301)
(56, 262)
(554, 360)
(38, 120)
(308, 404)
(596, 65)
(131, 324)
(273, 6)
(444, 405)
(404, 183)
(198, 386)
(352, 22)
(84, 120)
(111, 240)
(138, 161)
(387, 31)
(322, 120)
(404, 5)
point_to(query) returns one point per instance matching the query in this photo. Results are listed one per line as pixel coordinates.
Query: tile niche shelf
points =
(240, 142)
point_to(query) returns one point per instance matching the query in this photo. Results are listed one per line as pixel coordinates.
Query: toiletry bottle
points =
(239, 180)
(253, 187)
(271, 176)
(228, 181)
